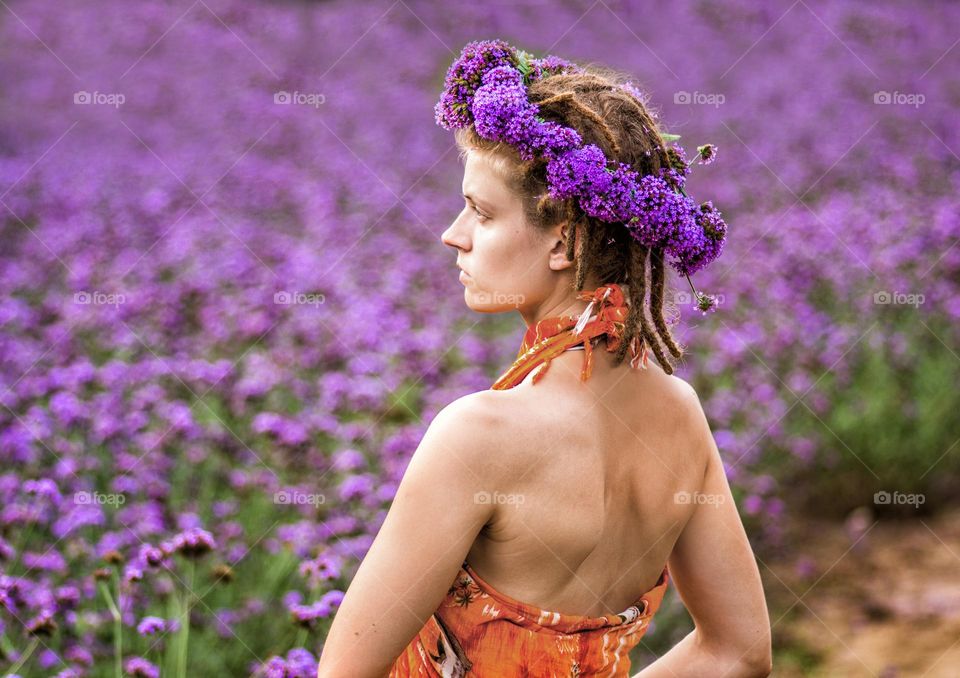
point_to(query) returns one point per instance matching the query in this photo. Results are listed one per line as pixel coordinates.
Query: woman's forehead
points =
(484, 177)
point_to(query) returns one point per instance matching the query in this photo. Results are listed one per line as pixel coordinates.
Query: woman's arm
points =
(431, 525)
(716, 575)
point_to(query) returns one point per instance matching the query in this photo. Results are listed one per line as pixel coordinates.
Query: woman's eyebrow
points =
(480, 203)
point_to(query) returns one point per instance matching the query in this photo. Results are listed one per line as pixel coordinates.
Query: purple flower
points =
(301, 663)
(579, 172)
(48, 658)
(551, 65)
(356, 487)
(67, 597)
(707, 153)
(319, 570)
(138, 667)
(79, 655)
(149, 626)
(663, 213)
(44, 488)
(274, 667)
(150, 555)
(487, 86)
(192, 543)
(307, 615)
(464, 78)
(695, 244)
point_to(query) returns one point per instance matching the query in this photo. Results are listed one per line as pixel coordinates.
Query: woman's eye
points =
(480, 215)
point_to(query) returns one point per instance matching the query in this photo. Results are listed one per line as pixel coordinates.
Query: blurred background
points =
(228, 318)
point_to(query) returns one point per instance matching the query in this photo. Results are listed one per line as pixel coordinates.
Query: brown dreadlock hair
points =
(621, 124)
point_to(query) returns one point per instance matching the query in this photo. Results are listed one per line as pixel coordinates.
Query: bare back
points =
(591, 516)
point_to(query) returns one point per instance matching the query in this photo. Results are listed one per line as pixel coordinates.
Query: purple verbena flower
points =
(138, 667)
(149, 626)
(193, 543)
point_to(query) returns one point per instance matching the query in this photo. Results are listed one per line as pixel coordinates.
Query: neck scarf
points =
(547, 338)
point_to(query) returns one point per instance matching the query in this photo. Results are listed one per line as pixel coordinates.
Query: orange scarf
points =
(546, 339)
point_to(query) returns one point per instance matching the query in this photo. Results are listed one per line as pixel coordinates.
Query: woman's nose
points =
(455, 235)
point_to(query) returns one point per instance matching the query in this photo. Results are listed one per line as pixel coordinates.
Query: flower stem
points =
(185, 622)
(25, 656)
(117, 628)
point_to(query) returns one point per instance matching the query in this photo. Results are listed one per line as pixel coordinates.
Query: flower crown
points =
(486, 87)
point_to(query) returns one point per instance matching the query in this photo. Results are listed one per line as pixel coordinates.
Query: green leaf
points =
(670, 137)
(523, 62)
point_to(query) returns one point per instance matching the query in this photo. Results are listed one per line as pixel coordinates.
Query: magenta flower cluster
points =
(487, 87)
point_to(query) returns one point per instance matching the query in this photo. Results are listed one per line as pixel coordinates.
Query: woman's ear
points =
(558, 236)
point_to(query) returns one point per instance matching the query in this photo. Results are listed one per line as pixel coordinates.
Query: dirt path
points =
(875, 599)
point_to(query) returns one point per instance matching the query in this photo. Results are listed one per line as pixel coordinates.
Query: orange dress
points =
(478, 631)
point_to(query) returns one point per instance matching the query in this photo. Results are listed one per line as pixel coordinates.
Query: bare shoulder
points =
(681, 404)
(476, 429)
(678, 392)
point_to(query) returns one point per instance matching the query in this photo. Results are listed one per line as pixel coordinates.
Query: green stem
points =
(25, 656)
(185, 622)
(301, 638)
(117, 628)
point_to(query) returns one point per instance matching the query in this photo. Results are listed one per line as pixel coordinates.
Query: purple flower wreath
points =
(486, 87)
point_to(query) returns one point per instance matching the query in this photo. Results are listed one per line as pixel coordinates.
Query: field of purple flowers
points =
(227, 316)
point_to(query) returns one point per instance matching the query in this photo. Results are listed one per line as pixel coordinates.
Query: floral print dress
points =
(478, 631)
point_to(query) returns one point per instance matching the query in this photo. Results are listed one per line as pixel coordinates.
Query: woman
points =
(540, 522)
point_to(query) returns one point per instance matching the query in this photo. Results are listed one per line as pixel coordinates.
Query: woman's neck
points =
(569, 306)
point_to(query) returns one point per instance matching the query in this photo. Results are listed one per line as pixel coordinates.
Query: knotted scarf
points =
(549, 337)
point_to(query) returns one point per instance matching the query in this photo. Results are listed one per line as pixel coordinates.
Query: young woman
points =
(540, 522)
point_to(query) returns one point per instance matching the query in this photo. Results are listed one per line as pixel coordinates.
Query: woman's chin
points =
(482, 301)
